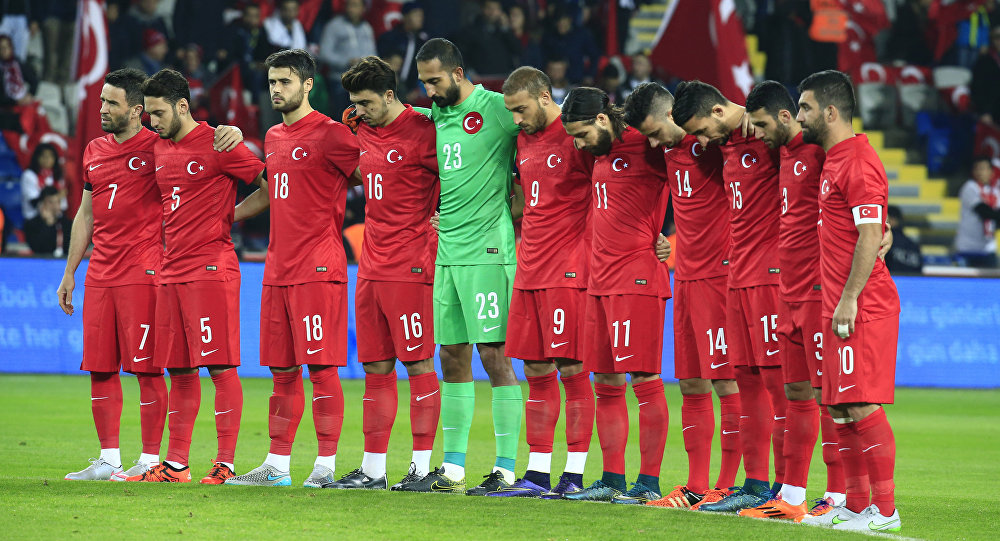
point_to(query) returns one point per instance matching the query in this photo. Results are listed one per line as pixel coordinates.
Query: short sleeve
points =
(969, 195)
(505, 117)
(863, 184)
(240, 164)
(342, 150)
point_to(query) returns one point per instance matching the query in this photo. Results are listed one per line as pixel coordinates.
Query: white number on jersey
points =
(176, 197)
(114, 190)
(411, 325)
(281, 186)
(770, 327)
(206, 331)
(534, 193)
(494, 301)
(374, 186)
(558, 321)
(452, 155)
(784, 200)
(627, 325)
(846, 354)
(314, 327)
(145, 333)
(599, 188)
(737, 195)
(818, 339)
(683, 186)
(718, 343)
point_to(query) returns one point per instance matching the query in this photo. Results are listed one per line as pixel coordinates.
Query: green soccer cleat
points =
(491, 483)
(597, 492)
(436, 481)
(639, 494)
(264, 475)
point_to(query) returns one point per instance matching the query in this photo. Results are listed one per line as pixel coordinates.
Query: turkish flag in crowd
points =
(90, 65)
(704, 40)
(865, 19)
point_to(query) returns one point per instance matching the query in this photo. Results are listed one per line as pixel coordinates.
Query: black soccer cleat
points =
(358, 479)
(435, 481)
(491, 483)
(411, 477)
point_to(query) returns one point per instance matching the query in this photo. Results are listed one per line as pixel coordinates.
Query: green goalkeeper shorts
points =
(471, 303)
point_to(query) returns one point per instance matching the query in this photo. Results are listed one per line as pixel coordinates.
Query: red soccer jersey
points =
(701, 211)
(750, 172)
(853, 190)
(308, 166)
(798, 239)
(555, 231)
(399, 172)
(630, 198)
(127, 211)
(198, 190)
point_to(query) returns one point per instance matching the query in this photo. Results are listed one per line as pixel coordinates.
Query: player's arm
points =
(79, 240)
(886, 244)
(517, 202)
(865, 252)
(227, 138)
(355, 178)
(663, 248)
(256, 202)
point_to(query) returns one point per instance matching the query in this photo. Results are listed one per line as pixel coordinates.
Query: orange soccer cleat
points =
(680, 497)
(162, 473)
(776, 508)
(712, 496)
(217, 474)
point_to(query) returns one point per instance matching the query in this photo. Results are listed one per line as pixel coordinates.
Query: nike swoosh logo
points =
(619, 359)
(436, 486)
(141, 403)
(362, 153)
(533, 400)
(838, 520)
(842, 389)
(714, 366)
(160, 167)
(366, 398)
(138, 360)
(269, 154)
(218, 413)
(173, 412)
(449, 428)
(419, 398)
(501, 435)
(686, 428)
(441, 125)
(97, 398)
(876, 527)
(641, 404)
(727, 432)
(776, 418)
(315, 398)
(274, 477)
(554, 345)
(312, 351)
(488, 329)
(870, 448)
(204, 353)
(829, 443)
(92, 167)
(411, 348)
(521, 162)
(775, 352)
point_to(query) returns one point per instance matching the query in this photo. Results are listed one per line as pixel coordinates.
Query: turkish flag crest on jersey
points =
(473, 122)
(748, 159)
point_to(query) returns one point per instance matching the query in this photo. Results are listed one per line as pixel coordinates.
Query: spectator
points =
(44, 170)
(975, 240)
(127, 35)
(904, 256)
(908, 40)
(346, 39)
(986, 81)
(283, 29)
(19, 81)
(249, 48)
(198, 21)
(154, 52)
(611, 83)
(57, 20)
(48, 232)
(577, 44)
(405, 40)
(556, 69)
(642, 72)
(198, 77)
(531, 50)
(15, 24)
(487, 44)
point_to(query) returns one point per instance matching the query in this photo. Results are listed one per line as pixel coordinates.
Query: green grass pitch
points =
(947, 469)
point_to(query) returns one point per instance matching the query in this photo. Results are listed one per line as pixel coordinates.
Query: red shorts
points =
(752, 326)
(546, 323)
(624, 333)
(118, 329)
(861, 368)
(303, 324)
(700, 330)
(198, 324)
(394, 319)
(800, 333)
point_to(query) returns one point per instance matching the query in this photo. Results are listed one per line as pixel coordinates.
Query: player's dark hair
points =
(647, 99)
(832, 87)
(772, 97)
(529, 79)
(695, 99)
(167, 84)
(370, 73)
(130, 80)
(584, 103)
(443, 50)
(298, 61)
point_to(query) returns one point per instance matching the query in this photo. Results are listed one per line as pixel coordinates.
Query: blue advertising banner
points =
(949, 332)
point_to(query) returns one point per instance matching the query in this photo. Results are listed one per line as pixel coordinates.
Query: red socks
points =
(855, 468)
(184, 401)
(379, 410)
(228, 411)
(425, 409)
(698, 427)
(541, 411)
(579, 412)
(831, 453)
(803, 428)
(285, 409)
(612, 426)
(106, 404)
(879, 453)
(729, 439)
(774, 381)
(653, 422)
(328, 408)
(152, 411)
(755, 424)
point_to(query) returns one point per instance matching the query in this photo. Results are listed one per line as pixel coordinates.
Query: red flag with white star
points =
(90, 65)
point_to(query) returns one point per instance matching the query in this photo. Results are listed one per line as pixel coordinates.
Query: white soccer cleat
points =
(870, 520)
(264, 475)
(837, 515)
(139, 469)
(99, 470)
(319, 476)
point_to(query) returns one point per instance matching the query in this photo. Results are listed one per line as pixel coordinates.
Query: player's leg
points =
(425, 412)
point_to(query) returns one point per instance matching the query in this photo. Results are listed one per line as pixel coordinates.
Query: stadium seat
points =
(10, 200)
(877, 100)
(915, 93)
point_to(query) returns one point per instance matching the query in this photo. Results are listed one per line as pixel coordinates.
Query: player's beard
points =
(781, 136)
(450, 96)
(815, 132)
(291, 103)
(115, 124)
(175, 126)
(536, 123)
(603, 145)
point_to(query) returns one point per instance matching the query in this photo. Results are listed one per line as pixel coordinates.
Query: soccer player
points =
(626, 293)
(548, 307)
(197, 299)
(120, 212)
(750, 174)
(304, 298)
(772, 112)
(399, 172)
(860, 304)
(474, 270)
(701, 363)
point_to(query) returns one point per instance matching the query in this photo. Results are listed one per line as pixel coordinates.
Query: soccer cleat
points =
(776, 508)
(264, 475)
(639, 494)
(99, 470)
(358, 479)
(832, 517)
(680, 497)
(411, 476)
(436, 481)
(522, 488)
(564, 487)
(597, 492)
(712, 496)
(739, 499)
(491, 483)
(139, 469)
(163, 473)
(823, 506)
(319, 476)
(217, 474)
(868, 520)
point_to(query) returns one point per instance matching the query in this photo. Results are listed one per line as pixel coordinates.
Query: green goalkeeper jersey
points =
(475, 150)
